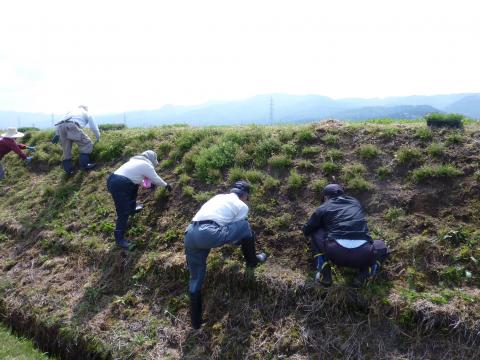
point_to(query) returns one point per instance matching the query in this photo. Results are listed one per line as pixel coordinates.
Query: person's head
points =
(12, 133)
(84, 107)
(332, 191)
(151, 156)
(242, 189)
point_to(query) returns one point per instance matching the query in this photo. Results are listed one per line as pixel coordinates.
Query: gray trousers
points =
(71, 133)
(201, 238)
(2, 172)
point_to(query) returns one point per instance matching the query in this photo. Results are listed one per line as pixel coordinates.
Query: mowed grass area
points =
(14, 348)
(419, 186)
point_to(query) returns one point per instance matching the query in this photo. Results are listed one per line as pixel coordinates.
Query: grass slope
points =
(420, 188)
(13, 348)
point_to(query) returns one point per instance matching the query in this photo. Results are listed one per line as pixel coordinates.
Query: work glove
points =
(55, 139)
(29, 159)
(32, 148)
(168, 187)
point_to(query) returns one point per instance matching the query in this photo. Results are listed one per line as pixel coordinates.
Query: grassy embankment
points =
(13, 348)
(59, 269)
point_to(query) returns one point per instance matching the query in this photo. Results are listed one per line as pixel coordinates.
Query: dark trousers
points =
(357, 258)
(124, 193)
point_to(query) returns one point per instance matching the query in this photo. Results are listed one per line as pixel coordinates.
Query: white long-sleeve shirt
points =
(83, 118)
(138, 168)
(223, 209)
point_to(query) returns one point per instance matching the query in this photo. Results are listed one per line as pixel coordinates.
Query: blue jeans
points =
(201, 238)
(124, 193)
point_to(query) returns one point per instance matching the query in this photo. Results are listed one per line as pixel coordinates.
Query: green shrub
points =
(270, 183)
(188, 190)
(389, 133)
(264, 149)
(436, 149)
(211, 159)
(427, 172)
(279, 161)
(424, 134)
(306, 135)
(444, 120)
(334, 155)
(310, 150)
(383, 172)
(352, 176)
(358, 183)
(289, 150)
(295, 180)
(329, 167)
(393, 214)
(318, 185)
(254, 176)
(110, 148)
(407, 154)
(368, 151)
(235, 174)
(353, 170)
(111, 127)
(454, 139)
(305, 164)
(330, 139)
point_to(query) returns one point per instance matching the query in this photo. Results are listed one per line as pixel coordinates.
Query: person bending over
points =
(221, 220)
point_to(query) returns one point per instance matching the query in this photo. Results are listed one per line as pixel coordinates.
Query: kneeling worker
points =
(221, 220)
(339, 234)
(123, 185)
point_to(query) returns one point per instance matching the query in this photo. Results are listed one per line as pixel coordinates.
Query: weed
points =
(444, 120)
(330, 139)
(455, 138)
(279, 162)
(427, 172)
(368, 151)
(436, 149)
(334, 155)
(295, 180)
(424, 134)
(393, 214)
(329, 168)
(202, 197)
(306, 135)
(306, 164)
(318, 185)
(289, 149)
(389, 133)
(188, 190)
(384, 172)
(408, 155)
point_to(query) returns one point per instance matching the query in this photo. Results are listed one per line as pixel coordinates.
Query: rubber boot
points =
(248, 249)
(119, 239)
(68, 167)
(138, 208)
(324, 271)
(196, 309)
(84, 161)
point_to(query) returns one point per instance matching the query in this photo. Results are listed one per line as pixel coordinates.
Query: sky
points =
(119, 55)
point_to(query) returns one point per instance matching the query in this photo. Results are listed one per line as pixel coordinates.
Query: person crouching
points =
(123, 185)
(221, 220)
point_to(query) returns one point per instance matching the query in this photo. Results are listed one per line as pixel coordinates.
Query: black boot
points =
(196, 309)
(68, 167)
(119, 239)
(84, 161)
(248, 249)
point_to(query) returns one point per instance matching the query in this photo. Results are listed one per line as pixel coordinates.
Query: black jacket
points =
(341, 217)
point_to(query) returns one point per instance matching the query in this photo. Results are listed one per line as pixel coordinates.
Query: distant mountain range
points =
(273, 108)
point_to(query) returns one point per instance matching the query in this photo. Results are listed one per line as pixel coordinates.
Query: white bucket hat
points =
(151, 156)
(13, 133)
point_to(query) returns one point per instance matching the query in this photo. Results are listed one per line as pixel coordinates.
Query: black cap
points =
(333, 190)
(240, 187)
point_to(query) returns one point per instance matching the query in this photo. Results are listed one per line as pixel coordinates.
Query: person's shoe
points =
(67, 167)
(361, 278)
(324, 276)
(120, 240)
(138, 208)
(261, 257)
(85, 163)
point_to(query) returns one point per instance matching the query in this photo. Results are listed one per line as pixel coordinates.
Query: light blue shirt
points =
(350, 244)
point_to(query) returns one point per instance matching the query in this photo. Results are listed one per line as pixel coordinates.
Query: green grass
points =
(14, 348)
(408, 155)
(427, 172)
(368, 151)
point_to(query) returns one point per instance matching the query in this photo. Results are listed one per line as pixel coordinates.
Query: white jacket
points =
(82, 118)
(138, 168)
(223, 209)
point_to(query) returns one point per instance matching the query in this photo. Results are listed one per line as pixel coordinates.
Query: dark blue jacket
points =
(341, 217)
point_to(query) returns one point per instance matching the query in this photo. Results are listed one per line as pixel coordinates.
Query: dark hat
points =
(240, 187)
(333, 190)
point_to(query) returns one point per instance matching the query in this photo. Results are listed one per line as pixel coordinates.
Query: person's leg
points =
(324, 269)
(197, 267)
(120, 189)
(240, 233)
(85, 145)
(2, 172)
(133, 200)
(67, 149)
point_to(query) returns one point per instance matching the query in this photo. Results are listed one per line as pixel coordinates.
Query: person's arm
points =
(149, 172)
(16, 148)
(22, 146)
(315, 222)
(93, 127)
(242, 211)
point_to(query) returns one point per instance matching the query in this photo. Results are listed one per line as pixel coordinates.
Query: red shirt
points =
(8, 144)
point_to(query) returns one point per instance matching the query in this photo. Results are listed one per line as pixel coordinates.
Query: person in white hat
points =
(8, 143)
(69, 131)
(123, 185)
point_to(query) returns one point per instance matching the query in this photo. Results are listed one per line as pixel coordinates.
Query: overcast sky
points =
(130, 55)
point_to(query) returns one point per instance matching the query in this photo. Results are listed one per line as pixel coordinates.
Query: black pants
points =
(124, 193)
(357, 258)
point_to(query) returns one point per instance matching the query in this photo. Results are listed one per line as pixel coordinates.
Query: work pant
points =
(358, 258)
(2, 172)
(71, 133)
(124, 193)
(201, 237)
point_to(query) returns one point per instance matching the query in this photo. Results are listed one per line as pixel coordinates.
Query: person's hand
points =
(29, 159)
(32, 148)
(168, 187)
(55, 139)
(152, 188)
